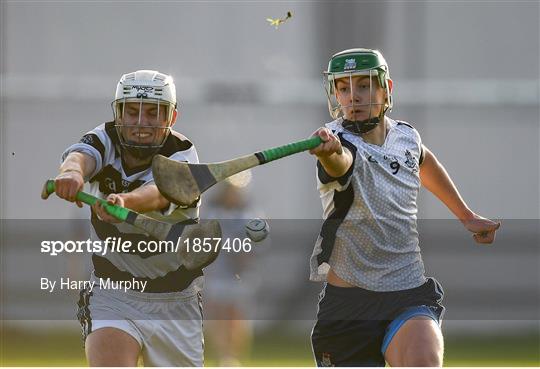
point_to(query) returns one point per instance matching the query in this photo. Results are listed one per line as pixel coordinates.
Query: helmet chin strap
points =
(359, 127)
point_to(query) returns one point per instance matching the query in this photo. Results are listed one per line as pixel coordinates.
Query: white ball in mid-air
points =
(257, 229)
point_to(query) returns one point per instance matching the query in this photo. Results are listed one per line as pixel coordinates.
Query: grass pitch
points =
(18, 348)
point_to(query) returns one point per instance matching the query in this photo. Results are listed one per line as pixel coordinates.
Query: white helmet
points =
(144, 106)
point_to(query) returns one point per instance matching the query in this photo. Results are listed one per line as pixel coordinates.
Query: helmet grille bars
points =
(144, 106)
(349, 64)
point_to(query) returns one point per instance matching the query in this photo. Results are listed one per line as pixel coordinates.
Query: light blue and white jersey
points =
(369, 237)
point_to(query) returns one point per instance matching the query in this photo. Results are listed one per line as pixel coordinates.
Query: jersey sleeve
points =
(422, 153)
(418, 140)
(411, 131)
(325, 178)
(94, 143)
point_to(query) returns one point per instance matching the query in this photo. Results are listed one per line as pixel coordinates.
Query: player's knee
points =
(423, 357)
(111, 347)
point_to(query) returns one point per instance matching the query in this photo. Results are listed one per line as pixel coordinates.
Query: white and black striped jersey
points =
(369, 237)
(111, 176)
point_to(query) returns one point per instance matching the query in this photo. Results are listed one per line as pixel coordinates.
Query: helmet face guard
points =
(144, 111)
(362, 71)
(142, 125)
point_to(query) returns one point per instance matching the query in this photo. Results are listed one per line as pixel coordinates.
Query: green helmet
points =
(357, 62)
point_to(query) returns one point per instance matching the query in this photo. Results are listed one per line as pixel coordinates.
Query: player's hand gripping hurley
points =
(157, 229)
(183, 183)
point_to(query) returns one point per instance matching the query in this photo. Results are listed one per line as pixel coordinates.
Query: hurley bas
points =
(102, 283)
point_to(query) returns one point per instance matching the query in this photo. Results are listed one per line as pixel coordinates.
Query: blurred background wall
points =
(466, 76)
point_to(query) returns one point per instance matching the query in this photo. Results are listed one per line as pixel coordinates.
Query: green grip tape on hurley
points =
(116, 211)
(290, 149)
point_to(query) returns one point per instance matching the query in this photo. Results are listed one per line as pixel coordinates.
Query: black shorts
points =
(354, 326)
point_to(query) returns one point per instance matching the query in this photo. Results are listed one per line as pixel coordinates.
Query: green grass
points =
(62, 349)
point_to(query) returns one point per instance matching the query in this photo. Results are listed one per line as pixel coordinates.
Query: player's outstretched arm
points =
(335, 159)
(142, 200)
(436, 179)
(73, 171)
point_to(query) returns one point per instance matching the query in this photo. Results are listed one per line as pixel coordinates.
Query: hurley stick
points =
(183, 183)
(160, 230)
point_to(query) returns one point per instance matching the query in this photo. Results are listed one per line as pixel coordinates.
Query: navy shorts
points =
(354, 326)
